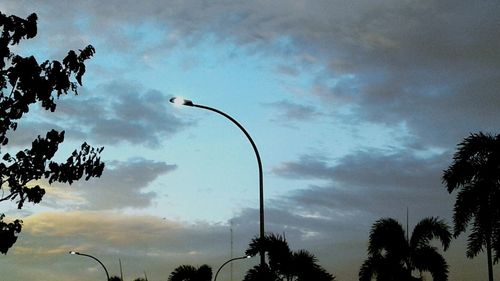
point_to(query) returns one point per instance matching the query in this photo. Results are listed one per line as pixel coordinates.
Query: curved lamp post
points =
(233, 259)
(181, 101)
(81, 254)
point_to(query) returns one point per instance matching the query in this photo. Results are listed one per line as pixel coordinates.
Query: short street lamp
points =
(181, 101)
(233, 259)
(81, 254)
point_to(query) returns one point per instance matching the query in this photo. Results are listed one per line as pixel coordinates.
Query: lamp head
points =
(73, 253)
(180, 101)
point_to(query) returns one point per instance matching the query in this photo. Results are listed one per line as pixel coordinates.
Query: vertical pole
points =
(231, 256)
(121, 271)
(259, 164)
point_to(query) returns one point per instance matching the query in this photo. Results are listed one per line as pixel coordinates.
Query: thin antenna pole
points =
(231, 265)
(121, 271)
(145, 275)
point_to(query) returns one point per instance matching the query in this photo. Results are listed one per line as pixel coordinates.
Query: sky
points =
(356, 108)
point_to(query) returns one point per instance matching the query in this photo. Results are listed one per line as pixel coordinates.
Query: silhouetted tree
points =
(191, 273)
(392, 256)
(284, 264)
(24, 82)
(475, 174)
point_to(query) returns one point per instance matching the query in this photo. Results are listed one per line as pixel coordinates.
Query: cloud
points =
(290, 111)
(431, 65)
(343, 199)
(112, 228)
(122, 185)
(114, 113)
(308, 166)
(119, 113)
(369, 182)
(345, 196)
(27, 131)
(142, 242)
(428, 66)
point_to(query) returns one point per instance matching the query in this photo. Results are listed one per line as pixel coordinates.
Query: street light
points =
(181, 101)
(233, 259)
(81, 254)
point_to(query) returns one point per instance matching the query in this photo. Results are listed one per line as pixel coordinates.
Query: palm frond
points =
(275, 246)
(476, 241)
(278, 252)
(458, 174)
(427, 258)
(191, 273)
(204, 273)
(303, 258)
(387, 235)
(475, 172)
(496, 242)
(475, 145)
(256, 244)
(472, 153)
(182, 273)
(465, 208)
(260, 273)
(428, 229)
(369, 268)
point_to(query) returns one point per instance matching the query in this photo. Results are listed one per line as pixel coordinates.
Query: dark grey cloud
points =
(110, 114)
(344, 197)
(370, 182)
(27, 131)
(117, 113)
(427, 64)
(430, 65)
(307, 167)
(289, 112)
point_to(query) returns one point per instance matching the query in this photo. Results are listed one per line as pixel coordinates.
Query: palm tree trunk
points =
(490, 261)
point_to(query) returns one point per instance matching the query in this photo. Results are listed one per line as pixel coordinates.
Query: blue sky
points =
(356, 108)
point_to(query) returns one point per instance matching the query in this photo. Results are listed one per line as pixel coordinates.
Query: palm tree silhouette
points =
(284, 264)
(394, 256)
(191, 273)
(475, 174)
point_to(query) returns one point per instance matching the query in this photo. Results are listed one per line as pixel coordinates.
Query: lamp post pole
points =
(180, 101)
(233, 259)
(92, 257)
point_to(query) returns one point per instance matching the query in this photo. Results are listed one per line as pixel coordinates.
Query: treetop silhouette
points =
(475, 175)
(24, 82)
(284, 264)
(392, 255)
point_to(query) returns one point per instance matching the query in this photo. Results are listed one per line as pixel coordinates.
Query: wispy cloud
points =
(289, 112)
(370, 182)
(123, 185)
(143, 242)
(121, 113)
